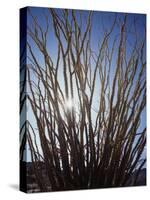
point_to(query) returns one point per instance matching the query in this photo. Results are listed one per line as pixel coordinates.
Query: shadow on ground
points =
(14, 186)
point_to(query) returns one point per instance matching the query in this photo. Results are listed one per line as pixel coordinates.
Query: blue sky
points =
(100, 21)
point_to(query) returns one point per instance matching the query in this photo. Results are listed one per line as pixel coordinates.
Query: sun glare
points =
(69, 103)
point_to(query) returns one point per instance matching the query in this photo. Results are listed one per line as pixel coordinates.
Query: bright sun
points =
(69, 103)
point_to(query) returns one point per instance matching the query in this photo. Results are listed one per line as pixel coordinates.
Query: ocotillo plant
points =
(86, 99)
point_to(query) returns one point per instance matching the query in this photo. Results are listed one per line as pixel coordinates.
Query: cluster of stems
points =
(82, 146)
